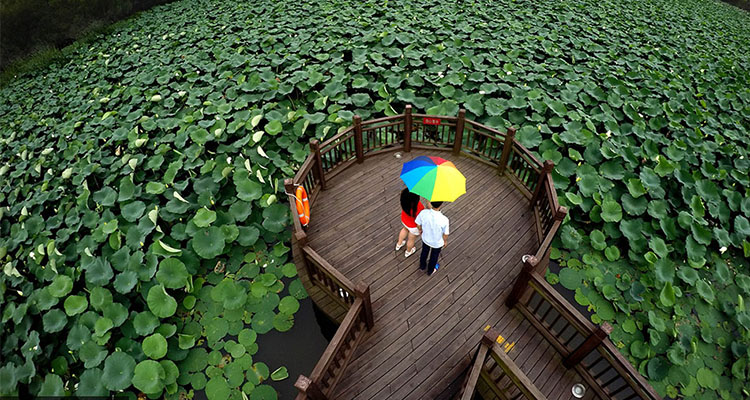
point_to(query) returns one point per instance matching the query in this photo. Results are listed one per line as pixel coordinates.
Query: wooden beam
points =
(318, 171)
(467, 393)
(590, 344)
(507, 149)
(519, 379)
(458, 140)
(309, 388)
(543, 175)
(362, 291)
(358, 147)
(407, 128)
(522, 281)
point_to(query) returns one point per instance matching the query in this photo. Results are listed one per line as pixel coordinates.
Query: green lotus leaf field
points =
(143, 226)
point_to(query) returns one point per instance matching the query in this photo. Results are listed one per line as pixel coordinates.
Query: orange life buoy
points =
(303, 206)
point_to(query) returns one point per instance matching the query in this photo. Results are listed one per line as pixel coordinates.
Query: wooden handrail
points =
(448, 118)
(485, 127)
(304, 169)
(581, 323)
(382, 119)
(519, 379)
(467, 392)
(593, 341)
(335, 137)
(329, 270)
(334, 346)
(628, 372)
(547, 242)
(521, 149)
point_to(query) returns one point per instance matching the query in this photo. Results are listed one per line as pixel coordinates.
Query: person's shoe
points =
(400, 245)
(429, 273)
(410, 252)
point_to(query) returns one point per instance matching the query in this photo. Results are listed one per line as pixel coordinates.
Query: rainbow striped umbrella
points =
(433, 178)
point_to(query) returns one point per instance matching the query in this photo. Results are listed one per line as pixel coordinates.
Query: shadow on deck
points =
(406, 335)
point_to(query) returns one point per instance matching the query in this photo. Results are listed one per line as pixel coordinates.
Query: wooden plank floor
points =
(428, 327)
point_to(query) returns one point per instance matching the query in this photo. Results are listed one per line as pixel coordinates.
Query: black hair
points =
(436, 204)
(409, 202)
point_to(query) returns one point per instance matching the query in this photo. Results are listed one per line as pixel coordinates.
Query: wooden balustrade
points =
(325, 276)
(383, 134)
(359, 318)
(582, 345)
(427, 136)
(525, 168)
(484, 144)
(333, 362)
(496, 375)
(338, 152)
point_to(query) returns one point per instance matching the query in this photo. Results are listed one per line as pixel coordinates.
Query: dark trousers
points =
(431, 253)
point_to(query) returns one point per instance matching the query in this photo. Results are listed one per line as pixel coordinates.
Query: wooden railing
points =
(358, 320)
(446, 133)
(495, 375)
(582, 345)
(533, 178)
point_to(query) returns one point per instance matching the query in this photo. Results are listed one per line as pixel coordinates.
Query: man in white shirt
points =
(433, 226)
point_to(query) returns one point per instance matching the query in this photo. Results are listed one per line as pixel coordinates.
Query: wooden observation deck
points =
(486, 323)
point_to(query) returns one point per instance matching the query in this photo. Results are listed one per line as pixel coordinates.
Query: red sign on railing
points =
(431, 121)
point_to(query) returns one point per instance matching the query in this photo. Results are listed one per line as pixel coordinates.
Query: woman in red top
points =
(410, 208)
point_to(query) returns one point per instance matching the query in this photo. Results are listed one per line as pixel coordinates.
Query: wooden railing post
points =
(543, 176)
(590, 344)
(458, 141)
(489, 337)
(289, 186)
(522, 281)
(358, 139)
(562, 211)
(507, 148)
(309, 388)
(318, 171)
(363, 291)
(290, 189)
(407, 128)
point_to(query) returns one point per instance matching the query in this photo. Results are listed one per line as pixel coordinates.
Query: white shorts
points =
(413, 231)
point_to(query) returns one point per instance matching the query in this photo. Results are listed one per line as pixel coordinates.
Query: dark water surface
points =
(298, 349)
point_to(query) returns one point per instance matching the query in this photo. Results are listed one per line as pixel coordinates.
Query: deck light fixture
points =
(578, 390)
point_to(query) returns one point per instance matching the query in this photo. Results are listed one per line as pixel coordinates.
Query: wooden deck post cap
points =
(511, 132)
(489, 337)
(548, 166)
(605, 328)
(532, 260)
(357, 119)
(408, 108)
(289, 186)
(314, 142)
(301, 237)
(462, 112)
(562, 211)
(361, 287)
(302, 383)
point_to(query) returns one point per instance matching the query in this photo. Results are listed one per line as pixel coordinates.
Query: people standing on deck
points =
(434, 228)
(410, 208)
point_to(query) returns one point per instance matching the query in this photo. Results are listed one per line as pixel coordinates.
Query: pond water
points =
(298, 349)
